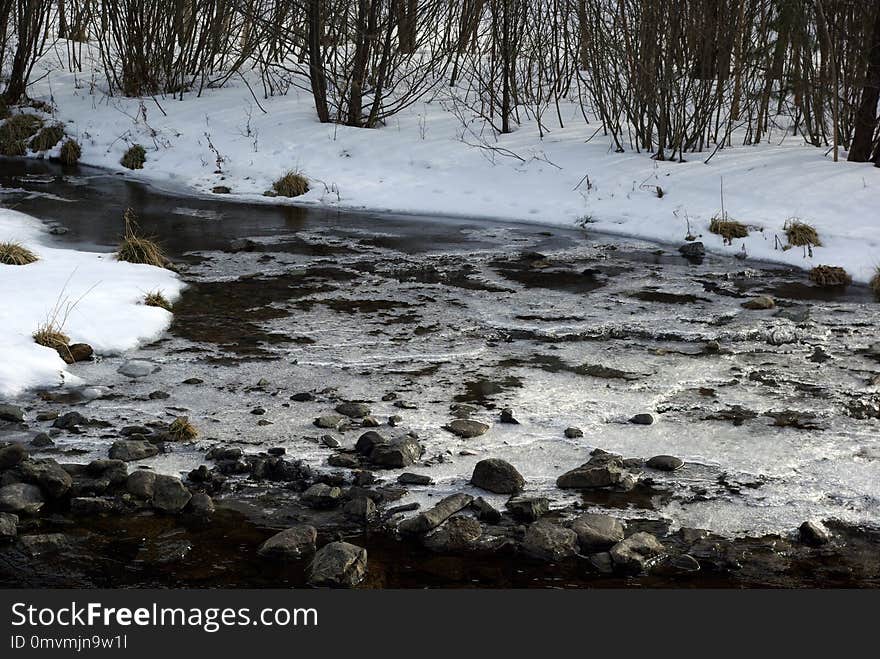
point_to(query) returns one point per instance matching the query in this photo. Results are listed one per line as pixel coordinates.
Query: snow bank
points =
(426, 162)
(107, 315)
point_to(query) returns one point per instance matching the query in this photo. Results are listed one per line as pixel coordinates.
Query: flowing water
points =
(776, 413)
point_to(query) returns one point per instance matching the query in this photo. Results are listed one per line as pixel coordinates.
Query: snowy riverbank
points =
(426, 162)
(106, 295)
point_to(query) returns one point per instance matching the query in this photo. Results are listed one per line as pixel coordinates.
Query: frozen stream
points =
(774, 412)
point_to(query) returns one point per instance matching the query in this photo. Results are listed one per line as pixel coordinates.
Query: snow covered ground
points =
(105, 295)
(426, 162)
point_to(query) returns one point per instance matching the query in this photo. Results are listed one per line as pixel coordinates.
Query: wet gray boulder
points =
(665, 463)
(11, 413)
(528, 509)
(458, 533)
(485, 510)
(201, 505)
(361, 510)
(136, 368)
(42, 440)
(353, 410)
(290, 544)
(321, 495)
(409, 478)
(21, 499)
(12, 455)
(48, 474)
(814, 533)
(70, 421)
(169, 494)
(140, 483)
(694, 250)
(330, 421)
(129, 450)
(573, 433)
(636, 553)
(399, 452)
(338, 564)
(368, 441)
(434, 517)
(466, 428)
(91, 506)
(597, 532)
(642, 419)
(760, 303)
(8, 526)
(603, 470)
(496, 475)
(550, 542)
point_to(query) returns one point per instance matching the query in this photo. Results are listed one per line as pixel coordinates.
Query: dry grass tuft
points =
(134, 158)
(48, 137)
(15, 132)
(875, 281)
(800, 234)
(728, 229)
(49, 334)
(182, 430)
(137, 249)
(70, 152)
(156, 299)
(292, 184)
(16, 254)
(829, 275)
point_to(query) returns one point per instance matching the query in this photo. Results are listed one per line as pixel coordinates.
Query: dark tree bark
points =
(316, 61)
(866, 118)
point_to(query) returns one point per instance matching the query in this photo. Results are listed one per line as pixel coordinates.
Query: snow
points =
(106, 294)
(425, 162)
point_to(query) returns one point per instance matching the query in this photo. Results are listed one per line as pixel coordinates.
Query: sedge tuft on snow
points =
(50, 335)
(156, 299)
(829, 275)
(16, 254)
(15, 132)
(182, 430)
(137, 249)
(48, 137)
(801, 234)
(70, 152)
(728, 229)
(134, 158)
(292, 184)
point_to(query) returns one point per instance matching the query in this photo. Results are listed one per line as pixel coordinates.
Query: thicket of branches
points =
(666, 77)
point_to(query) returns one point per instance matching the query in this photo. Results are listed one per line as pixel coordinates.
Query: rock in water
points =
(321, 495)
(528, 509)
(466, 428)
(665, 463)
(401, 452)
(48, 474)
(353, 410)
(507, 416)
(693, 250)
(136, 368)
(635, 553)
(201, 505)
(496, 475)
(80, 352)
(140, 483)
(642, 419)
(430, 519)
(21, 498)
(169, 494)
(12, 455)
(8, 526)
(458, 533)
(129, 450)
(550, 542)
(573, 433)
(814, 533)
(11, 413)
(338, 564)
(759, 303)
(597, 532)
(292, 543)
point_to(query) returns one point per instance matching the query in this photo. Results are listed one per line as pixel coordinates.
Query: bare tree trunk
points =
(866, 118)
(316, 62)
(835, 98)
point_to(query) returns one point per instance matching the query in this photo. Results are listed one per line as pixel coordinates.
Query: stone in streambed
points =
(129, 450)
(293, 543)
(11, 413)
(353, 410)
(12, 455)
(169, 494)
(466, 428)
(635, 553)
(339, 564)
(597, 532)
(8, 526)
(665, 463)
(496, 475)
(458, 533)
(550, 542)
(21, 499)
(434, 517)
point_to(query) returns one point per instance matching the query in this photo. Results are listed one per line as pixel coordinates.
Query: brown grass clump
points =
(728, 229)
(16, 254)
(800, 234)
(134, 158)
(292, 184)
(156, 299)
(70, 152)
(50, 335)
(875, 281)
(137, 249)
(182, 430)
(15, 132)
(829, 275)
(48, 137)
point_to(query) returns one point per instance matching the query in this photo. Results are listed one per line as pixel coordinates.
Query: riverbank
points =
(426, 161)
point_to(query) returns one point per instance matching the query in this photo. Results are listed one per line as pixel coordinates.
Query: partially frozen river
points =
(774, 412)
